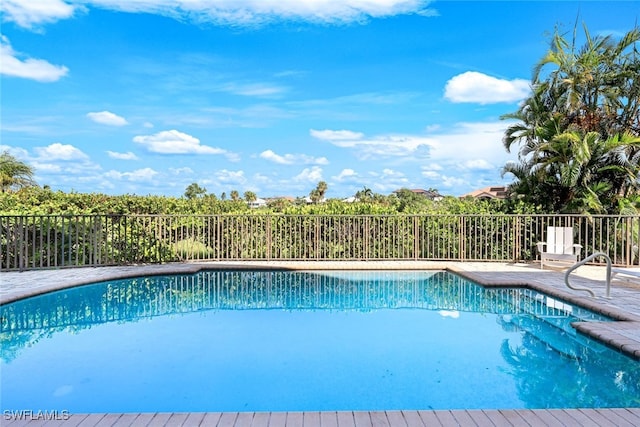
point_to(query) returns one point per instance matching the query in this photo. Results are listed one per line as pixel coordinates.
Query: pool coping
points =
(622, 334)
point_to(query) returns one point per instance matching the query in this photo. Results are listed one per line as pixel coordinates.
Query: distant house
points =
(488, 193)
(258, 203)
(308, 200)
(429, 194)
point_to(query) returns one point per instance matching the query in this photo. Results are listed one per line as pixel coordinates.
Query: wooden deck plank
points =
(396, 418)
(362, 419)
(570, 418)
(125, 420)
(91, 420)
(530, 418)
(345, 419)
(142, 420)
(328, 419)
(429, 418)
(514, 418)
(312, 419)
(413, 418)
(177, 419)
(194, 419)
(446, 419)
(244, 419)
(379, 419)
(15, 423)
(260, 419)
(545, 416)
(108, 420)
(479, 417)
(613, 416)
(278, 419)
(463, 418)
(595, 416)
(159, 419)
(582, 419)
(497, 418)
(295, 419)
(628, 414)
(72, 421)
(227, 419)
(211, 419)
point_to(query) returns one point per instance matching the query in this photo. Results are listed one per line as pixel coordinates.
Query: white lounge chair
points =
(559, 249)
(629, 275)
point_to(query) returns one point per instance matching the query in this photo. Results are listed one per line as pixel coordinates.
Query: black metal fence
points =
(46, 241)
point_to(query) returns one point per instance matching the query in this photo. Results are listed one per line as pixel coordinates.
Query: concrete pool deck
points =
(623, 334)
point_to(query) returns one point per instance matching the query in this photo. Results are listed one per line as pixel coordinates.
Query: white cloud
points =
(389, 180)
(181, 171)
(232, 177)
(483, 89)
(336, 135)
(291, 159)
(254, 89)
(432, 175)
(29, 68)
(432, 167)
(478, 164)
(58, 151)
(107, 118)
(470, 141)
(46, 168)
(139, 175)
(313, 174)
(26, 13)
(378, 146)
(453, 181)
(175, 142)
(345, 174)
(17, 152)
(122, 156)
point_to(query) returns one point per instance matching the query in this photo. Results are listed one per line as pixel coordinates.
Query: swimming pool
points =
(304, 341)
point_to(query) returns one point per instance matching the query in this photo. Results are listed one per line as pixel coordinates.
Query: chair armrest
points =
(577, 249)
(541, 246)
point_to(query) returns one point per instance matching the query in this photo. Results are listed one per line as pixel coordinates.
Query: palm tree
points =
(364, 195)
(317, 194)
(578, 131)
(14, 174)
(250, 196)
(193, 191)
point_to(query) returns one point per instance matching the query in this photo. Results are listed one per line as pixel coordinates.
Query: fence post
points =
(416, 238)
(517, 250)
(461, 241)
(269, 240)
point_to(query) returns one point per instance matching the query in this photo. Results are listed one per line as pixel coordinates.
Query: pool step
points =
(553, 332)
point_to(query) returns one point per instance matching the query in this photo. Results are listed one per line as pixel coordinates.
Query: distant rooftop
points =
(488, 193)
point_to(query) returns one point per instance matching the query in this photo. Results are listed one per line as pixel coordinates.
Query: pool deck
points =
(623, 334)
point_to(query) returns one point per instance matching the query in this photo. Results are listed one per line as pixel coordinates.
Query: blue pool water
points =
(257, 341)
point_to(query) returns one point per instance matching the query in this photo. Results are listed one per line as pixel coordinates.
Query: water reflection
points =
(27, 321)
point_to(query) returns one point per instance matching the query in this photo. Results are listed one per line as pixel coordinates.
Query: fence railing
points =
(46, 241)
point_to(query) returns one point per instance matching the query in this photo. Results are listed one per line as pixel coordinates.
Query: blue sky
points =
(273, 96)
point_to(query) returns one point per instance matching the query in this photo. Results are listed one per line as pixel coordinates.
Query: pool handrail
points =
(583, 262)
